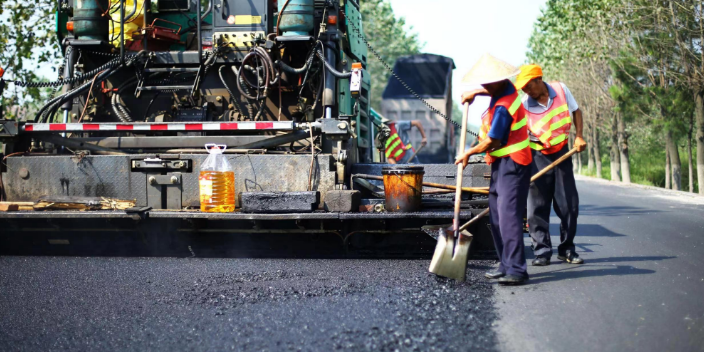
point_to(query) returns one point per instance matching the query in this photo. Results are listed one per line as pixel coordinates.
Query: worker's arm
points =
(483, 146)
(496, 138)
(419, 126)
(391, 160)
(579, 142)
(468, 97)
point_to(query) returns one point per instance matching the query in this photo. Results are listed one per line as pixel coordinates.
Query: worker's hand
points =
(424, 142)
(463, 159)
(580, 144)
(468, 97)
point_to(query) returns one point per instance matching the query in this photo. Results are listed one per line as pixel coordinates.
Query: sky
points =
(466, 29)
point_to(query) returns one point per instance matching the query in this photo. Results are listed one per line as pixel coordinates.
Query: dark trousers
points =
(508, 192)
(556, 189)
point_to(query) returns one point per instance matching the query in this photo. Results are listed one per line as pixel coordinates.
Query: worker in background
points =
(398, 147)
(504, 137)
(548, 106)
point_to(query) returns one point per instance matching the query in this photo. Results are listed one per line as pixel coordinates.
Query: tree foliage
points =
(386, 33)
(27, 41)
(636, 67)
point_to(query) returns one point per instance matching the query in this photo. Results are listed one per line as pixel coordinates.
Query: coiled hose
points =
(250, 111)
(78, 78)
(268, 72)
(235, 103)
(49, 109)
(122, 114)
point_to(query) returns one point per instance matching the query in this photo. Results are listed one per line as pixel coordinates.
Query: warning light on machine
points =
(69, 26)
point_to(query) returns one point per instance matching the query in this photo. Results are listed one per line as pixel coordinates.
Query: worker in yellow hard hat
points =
(551, 110)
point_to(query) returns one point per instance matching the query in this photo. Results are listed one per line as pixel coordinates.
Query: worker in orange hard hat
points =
(551, 111)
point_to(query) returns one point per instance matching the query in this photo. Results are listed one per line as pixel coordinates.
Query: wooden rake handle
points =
(555, 163)
(535, 177)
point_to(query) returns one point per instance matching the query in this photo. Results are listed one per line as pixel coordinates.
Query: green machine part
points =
(183, 18)
(358, 49)
(357, 52)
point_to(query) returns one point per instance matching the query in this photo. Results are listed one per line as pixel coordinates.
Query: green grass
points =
(647, 168)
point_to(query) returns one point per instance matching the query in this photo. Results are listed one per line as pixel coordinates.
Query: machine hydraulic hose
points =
(332, 70)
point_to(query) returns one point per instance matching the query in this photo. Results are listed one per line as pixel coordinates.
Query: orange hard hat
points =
(528, 72)
(2, 72)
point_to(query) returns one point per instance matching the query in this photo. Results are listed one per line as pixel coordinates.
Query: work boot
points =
(571, 257)
(513, 280)
(496, 274)
(541, 261)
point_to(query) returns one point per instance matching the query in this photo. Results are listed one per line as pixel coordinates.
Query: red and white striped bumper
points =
(146, 127)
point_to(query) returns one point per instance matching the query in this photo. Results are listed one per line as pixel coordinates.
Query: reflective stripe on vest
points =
(518, 145)
(512, 111)
(558, 118)
(510, 149)
(536, 146)
(545, 138)
(394, 147)
(514, 107)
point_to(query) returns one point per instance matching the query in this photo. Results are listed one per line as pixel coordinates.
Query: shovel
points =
(449, 255)
(452, 249)
(415, 152)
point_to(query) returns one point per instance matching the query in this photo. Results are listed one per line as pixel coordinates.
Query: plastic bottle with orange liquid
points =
(217, 182)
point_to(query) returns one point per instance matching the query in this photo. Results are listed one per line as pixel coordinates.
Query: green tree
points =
(27, 41)
(386, 33)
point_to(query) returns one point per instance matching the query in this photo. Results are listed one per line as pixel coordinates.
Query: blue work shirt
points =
(502, 120)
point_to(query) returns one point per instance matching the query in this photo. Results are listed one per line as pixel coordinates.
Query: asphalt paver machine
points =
(144, 85)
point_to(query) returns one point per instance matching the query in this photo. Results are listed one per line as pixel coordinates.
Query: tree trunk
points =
(575, 157)
(623, 148)
(579, 162)
(597, 153)
(590, 148)
(675, 161)
(690, 172)
(668, 185)
(614, 154)
(699, 113)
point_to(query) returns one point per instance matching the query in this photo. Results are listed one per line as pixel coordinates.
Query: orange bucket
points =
(403, 188)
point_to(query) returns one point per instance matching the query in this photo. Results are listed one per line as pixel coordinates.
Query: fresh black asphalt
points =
(641, 289)
(166, 304)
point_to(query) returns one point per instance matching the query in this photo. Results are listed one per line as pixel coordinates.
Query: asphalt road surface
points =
(641, 289)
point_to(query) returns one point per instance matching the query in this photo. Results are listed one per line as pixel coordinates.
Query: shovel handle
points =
(535, 177)
(474, 219)
(415, 152)
(460, 169)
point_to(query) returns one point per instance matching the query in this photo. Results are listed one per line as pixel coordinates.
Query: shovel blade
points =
(450, 257)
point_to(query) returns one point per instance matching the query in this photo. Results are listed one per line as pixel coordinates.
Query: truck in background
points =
(430, 76)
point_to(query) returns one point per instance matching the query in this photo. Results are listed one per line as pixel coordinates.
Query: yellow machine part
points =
(132, 23)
